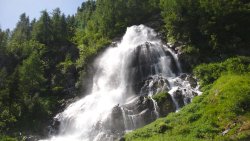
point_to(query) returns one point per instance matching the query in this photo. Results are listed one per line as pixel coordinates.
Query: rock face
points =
(145, 63)
(179, 98)
(165, 103)
(139, 112)
(114, 126)
(192, 81)
(117, 120)
(187, 88)
(186, 59)
(154, 85)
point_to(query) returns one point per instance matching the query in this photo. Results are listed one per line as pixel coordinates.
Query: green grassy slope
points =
(224, 105)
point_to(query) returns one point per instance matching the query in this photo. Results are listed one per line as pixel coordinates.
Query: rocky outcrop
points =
(145, 64)
(139, 112)
(179, 98)
(117, 120)
(188, 59)
(192, 81)
(165, 103)
(154, 84)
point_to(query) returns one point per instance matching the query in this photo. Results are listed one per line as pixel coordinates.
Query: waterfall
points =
(120, 100)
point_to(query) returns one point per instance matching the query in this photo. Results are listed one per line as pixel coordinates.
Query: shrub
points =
(208, 73)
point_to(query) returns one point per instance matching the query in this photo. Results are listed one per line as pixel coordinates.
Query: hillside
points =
(220, 113)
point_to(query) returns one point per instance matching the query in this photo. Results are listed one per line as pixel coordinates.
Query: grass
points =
(224, 105)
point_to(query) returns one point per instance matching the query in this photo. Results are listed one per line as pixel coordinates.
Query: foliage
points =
(23, 29)
(29, 58)
(208, 73)
(209, 25)
(7, 138)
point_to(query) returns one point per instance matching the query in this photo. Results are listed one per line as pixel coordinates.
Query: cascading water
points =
(126, 78)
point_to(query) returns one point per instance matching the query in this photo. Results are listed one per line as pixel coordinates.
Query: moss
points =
(161, 97)
(165, 103)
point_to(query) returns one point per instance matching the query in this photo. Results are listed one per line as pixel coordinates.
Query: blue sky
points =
(10, 10)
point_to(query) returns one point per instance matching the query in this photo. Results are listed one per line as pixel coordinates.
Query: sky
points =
(10, 10)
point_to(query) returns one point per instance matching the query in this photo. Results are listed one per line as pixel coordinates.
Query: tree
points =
(3, 46)
(31, 75)
(208, 24)
(22, 32)
(42, 30)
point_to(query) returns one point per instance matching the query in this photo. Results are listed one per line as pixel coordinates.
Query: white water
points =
(112, 86)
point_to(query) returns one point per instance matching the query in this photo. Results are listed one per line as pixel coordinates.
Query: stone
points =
(194, 93)
(113, 44)
(117, 124)
(192, 81)
(31, 138)
(166, 106)
(179, 98)
(183, 76)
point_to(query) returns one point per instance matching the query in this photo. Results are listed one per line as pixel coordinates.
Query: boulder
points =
(165, 103)
(183, 76)
(179, 98)
(117, 121)
(192, 81)
(139, 112)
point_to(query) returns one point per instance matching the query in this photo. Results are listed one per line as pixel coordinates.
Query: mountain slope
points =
(221, 113)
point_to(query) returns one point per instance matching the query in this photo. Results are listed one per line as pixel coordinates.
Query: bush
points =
(7, 138)
(208, 73)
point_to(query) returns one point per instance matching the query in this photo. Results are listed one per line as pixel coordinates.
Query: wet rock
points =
(140, 104)
(165, 103)
(113, 44)
(122, 139)
(176, 46)
(54, 128)
(147, 104)
(154, 85)
(66, 102)
(187, 100)
(117, 120)
(139, 112)
(179, 97)
(192, 81)
(144, 65)
(147, 116)
(194, 93)
(113, 127)
(31, 138)
(183, 76)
